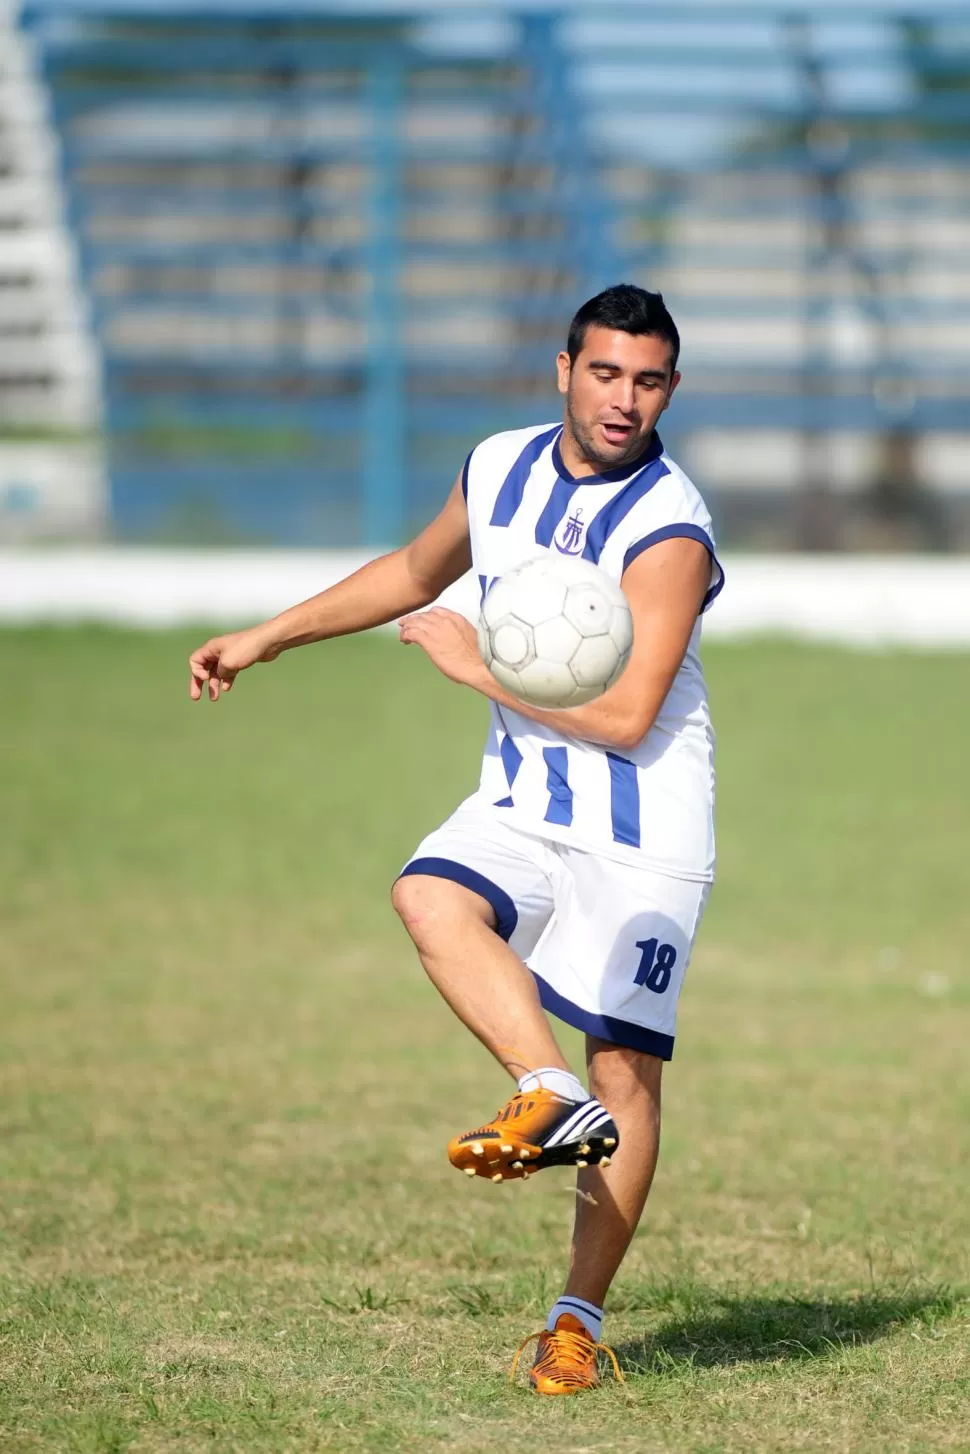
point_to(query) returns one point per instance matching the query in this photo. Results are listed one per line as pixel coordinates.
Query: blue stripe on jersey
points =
(560, 809)
(511, 761)
(509, 497)
(624, 801)
(684, 531)
(616, 510)
(464, 476)
(554, 509)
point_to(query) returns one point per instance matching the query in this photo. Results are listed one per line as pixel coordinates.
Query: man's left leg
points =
(612, 1198)
(608, 1209)
(612, 964)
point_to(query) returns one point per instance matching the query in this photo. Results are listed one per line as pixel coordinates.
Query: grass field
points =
(227, 1220)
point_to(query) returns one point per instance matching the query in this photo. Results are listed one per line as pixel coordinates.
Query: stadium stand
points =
(327, 251)
(50, 471)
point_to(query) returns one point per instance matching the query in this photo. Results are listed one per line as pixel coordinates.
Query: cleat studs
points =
(584, 1150)
(477, 1149)
(506, 1150)
(582, 1163)
(516, 1165)
(498, 1176)
(609, 1140)
(469, 1170)
(524, 1152)
(606, 1161)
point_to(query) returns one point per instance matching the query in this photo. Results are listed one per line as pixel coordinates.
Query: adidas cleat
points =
(533, 1130)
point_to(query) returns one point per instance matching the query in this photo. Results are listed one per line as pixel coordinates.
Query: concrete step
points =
(61, 354)
(28, 201)
(63, 403)
(24, 310)
(37, 252)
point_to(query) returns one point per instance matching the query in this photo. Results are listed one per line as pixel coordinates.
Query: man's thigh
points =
(613, 959)
(510, 870)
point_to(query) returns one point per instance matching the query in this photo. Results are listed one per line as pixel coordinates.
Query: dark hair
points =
(627, 309)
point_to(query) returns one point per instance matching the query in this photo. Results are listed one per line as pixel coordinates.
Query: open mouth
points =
(617, 433)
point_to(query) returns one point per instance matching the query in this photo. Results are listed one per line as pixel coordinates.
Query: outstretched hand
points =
(449, 640)
(217, 664)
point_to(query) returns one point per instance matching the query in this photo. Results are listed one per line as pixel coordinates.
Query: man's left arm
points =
(665, 587)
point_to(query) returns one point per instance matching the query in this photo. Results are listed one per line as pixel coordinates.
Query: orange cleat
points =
(565, 1359)
(533, 1130)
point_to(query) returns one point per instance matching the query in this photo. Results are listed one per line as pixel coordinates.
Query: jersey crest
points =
(570, 538)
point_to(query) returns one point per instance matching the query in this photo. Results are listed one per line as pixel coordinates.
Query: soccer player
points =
(573, 881)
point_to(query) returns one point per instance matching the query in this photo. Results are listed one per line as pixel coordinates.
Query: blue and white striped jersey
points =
(653, 805)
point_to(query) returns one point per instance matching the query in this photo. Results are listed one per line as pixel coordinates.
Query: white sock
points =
(563, 1082)
(588, 1314)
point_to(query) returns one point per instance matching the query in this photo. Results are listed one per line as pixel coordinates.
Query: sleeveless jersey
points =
(653, 804)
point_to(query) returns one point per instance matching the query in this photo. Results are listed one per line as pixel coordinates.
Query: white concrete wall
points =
(869, 601)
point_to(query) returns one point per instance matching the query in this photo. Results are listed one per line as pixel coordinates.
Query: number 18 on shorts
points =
(608, 942)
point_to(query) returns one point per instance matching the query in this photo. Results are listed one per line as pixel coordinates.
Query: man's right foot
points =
(533, 1130)
(565, 1359)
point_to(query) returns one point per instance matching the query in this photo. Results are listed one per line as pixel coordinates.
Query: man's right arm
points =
(381, 591)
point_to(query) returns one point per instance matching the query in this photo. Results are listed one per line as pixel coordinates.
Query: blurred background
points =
(267, 270)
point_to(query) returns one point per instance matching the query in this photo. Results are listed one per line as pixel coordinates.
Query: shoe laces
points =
(566, 1355)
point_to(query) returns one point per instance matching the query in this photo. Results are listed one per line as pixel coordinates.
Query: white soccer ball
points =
(555, 631)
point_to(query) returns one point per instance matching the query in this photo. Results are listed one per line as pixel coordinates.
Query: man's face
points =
(615, 392)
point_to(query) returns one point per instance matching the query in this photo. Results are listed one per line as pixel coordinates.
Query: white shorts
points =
(608, 943)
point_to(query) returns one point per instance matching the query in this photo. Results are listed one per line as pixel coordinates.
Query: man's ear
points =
(563, 371)
(675, 378)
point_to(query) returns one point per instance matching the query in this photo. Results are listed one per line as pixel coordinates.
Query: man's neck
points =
(582, 467)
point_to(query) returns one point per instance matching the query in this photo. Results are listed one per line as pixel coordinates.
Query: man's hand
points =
(665, 587)
(220, 660)
(449, 640)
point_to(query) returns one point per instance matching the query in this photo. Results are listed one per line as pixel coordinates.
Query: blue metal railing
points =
(321, 255)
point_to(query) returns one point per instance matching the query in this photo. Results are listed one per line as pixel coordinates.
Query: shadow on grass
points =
(762, 1330)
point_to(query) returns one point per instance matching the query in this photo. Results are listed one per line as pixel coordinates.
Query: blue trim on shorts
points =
(618, 1032)
(506, 914)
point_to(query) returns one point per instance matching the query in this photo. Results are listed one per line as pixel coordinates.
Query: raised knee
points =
(413, 898)
(425, 903)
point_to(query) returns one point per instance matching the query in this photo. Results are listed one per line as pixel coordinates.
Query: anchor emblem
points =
(572, 535)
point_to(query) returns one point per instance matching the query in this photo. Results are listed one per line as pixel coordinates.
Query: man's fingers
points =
(199, 675)
(199, 663)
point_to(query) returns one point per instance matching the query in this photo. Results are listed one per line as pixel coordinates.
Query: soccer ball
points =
(555, 631)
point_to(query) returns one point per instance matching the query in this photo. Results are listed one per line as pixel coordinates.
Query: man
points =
(575, 878)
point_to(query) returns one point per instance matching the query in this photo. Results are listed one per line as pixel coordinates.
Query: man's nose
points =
(623, 396)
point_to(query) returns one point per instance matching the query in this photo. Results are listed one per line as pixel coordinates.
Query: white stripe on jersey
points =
(653, 804)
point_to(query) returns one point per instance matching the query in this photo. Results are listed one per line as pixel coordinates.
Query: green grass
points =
(227, 1222)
